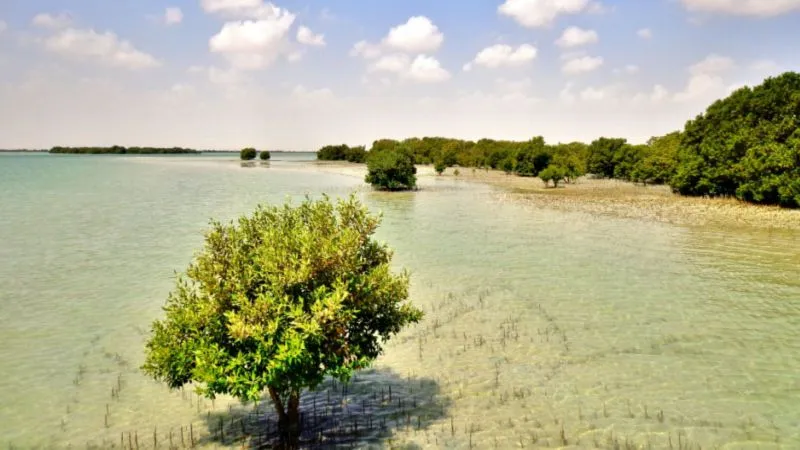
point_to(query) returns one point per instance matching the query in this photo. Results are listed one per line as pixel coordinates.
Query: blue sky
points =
(299, 74)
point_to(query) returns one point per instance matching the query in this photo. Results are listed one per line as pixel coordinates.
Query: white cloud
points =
(538, 13)
(502, 55)
(241, 9)
(701, 86)
(105, 48)
(307, 37)
(422, 69)
(645, 33)
(173, 16)
(706, 79)
(396, 63)
(576, 37)
(254, 44)
(3, 26)
(757, 8)
(426, 69)
(366, 50)
(712, 64)
(582, 64)
(417, 35)
(52, 21)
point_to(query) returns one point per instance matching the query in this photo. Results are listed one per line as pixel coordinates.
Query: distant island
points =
(119, 150)
(21, 150)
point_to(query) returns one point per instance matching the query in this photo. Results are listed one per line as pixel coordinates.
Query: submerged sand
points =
(616, 198)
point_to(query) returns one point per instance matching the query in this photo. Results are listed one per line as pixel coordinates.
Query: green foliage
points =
(603, 157)
(572, 158)
(342, 153)
(439, 166)
(626, 158)
(388, 145)
(659, 163)
(553, 173)
(247, 154)
(390, 167)
(532, 157)
(264, 155)
(508, 164)
(119, 150)
(279, 300)
(746, 145)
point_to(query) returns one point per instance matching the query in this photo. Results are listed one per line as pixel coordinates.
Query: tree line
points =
(745, 146)
(120, 150)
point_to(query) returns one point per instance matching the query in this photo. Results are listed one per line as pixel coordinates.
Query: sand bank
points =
(615, 198)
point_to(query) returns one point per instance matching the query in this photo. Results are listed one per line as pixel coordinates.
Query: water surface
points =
(543, 328)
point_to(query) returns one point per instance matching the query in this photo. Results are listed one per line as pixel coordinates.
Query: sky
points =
(299, 74)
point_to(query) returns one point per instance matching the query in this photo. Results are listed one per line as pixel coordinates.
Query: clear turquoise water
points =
(700, 328)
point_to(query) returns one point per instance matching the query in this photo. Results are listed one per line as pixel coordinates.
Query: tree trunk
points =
(288, 418)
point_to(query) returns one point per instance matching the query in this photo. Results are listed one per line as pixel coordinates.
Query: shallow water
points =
(543, 328)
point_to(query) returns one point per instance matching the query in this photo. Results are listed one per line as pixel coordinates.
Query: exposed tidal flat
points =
(548, 323)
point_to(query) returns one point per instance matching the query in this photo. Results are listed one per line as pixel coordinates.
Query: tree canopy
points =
(390, 167)
(248, 154)
(746, 145)
(264, 155)
(279, 300)
(342, 153)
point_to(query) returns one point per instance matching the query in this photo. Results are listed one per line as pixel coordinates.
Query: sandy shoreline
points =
(617, 198)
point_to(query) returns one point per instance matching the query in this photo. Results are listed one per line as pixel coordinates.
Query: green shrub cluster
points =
(248, 154)
(391, 168)
(342, 153)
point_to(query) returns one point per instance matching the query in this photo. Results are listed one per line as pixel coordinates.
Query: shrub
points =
(439, 166)
(279, 300)
(603, 156)
(553, 173)
(391, 170)
(247, 154)
(264, 155)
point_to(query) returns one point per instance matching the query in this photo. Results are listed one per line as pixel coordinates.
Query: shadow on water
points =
(366, 411)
